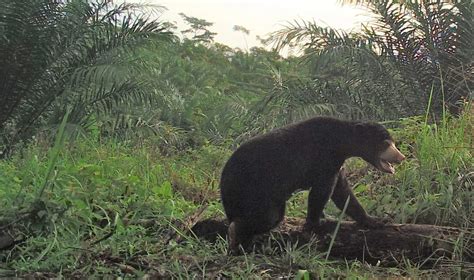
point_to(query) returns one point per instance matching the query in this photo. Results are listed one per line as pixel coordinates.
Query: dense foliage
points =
(118, 70)
(59, 54)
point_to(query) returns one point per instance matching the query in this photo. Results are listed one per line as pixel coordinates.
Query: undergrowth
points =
(110, 209)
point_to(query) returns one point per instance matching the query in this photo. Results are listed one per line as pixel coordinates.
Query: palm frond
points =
(414, 51)
(69, 53)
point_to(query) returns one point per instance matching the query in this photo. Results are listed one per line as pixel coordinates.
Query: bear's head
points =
(377, 146)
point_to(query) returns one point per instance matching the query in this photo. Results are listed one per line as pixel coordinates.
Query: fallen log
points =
(392, 244)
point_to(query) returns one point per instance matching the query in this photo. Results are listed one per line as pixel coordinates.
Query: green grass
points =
(110, 209)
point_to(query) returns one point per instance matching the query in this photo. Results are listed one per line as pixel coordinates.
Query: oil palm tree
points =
(71, 53)
(412, 54)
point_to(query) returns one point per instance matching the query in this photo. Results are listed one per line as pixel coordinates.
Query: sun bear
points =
(263, 173)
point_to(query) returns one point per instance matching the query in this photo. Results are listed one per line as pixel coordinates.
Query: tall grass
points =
(435, 184)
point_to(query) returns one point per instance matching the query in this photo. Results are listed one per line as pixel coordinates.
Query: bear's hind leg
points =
(242, 230)
(239, 235)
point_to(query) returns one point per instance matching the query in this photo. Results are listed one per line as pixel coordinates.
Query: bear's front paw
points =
(322, 226)
(315, 227)
(374, 222)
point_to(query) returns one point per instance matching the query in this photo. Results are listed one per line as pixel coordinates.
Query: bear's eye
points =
(385, 144)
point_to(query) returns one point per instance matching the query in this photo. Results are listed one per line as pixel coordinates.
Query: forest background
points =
(113, 129)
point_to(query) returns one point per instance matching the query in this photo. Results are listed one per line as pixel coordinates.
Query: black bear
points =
(262, 173)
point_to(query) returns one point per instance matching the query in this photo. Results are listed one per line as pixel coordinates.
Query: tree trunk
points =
(389, 245)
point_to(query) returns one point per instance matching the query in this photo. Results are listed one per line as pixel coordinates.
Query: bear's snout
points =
(392, 154)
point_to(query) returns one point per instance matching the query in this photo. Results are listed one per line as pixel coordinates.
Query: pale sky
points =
(259, 16)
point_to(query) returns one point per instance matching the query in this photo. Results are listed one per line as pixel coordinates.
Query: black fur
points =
(263, 173)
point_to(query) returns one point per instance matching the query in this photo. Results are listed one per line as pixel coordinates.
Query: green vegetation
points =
(111, 208)
(113, 133)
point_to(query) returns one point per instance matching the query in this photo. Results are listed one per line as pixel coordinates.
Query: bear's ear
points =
(359, 128)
